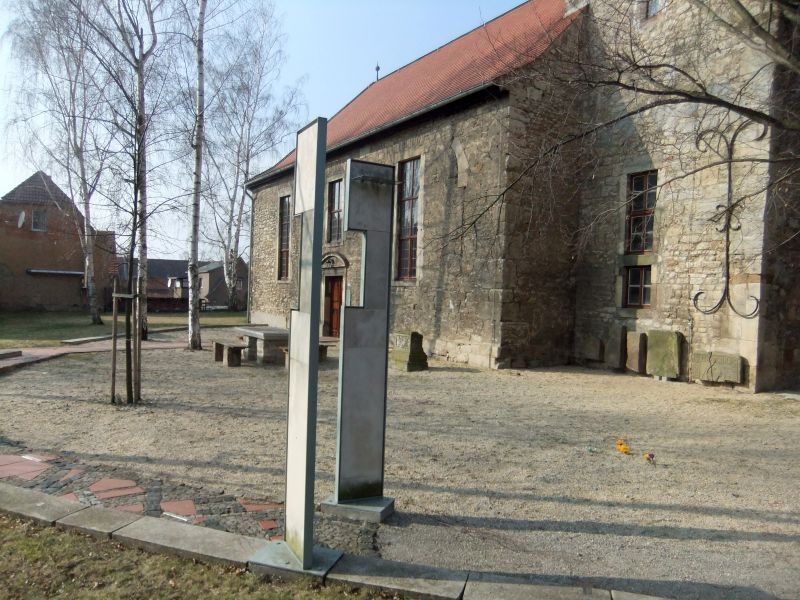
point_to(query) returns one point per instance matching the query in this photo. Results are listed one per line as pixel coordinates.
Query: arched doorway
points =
(334, 276)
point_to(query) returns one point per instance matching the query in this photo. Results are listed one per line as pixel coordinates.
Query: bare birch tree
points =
(195, 342)
(128, 37)
(249, 118)
(129, 34)
(64, 99)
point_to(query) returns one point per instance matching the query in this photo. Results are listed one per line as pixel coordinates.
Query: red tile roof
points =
(466, 64)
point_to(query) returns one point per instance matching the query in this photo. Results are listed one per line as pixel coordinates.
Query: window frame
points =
(42, 212)
(407, 237)
(648, 213)
(335, 213)
(644, 270)
(284, 236)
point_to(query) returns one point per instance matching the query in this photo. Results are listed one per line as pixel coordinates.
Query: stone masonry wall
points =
(454, 301)
(688, 254)
(540, 217)
(271, 299)
(779, 357)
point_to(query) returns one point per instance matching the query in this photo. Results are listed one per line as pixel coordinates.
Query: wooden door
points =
(333, 305)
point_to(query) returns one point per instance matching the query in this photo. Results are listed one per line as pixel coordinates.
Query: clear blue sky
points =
(334, 44)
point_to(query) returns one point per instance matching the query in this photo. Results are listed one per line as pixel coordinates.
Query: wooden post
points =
(138, 375)
(134, 333)
(114, 344)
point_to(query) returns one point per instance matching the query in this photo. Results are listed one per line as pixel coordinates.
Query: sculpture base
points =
(278, 560)
(373, 510)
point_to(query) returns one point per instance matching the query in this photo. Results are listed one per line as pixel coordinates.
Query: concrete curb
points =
(101, 338)
(24, 362)
(213, 546)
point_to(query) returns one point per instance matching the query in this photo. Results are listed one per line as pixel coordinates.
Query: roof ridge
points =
(421, 57)
(459, 67)
(455, 39)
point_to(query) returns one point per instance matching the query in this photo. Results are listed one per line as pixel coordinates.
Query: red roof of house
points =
(468, 63)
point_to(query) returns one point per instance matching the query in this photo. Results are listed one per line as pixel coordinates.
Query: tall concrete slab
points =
(304, 344)
(364, 341)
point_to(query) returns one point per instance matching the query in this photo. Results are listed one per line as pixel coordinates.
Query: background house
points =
(41, 257)
(214, 290)
(168, 284)
(595, 255)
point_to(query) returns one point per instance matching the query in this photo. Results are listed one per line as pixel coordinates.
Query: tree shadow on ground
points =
(182, 463)
(593, 528)
(685, 590)
(247, 409)
(739, 513)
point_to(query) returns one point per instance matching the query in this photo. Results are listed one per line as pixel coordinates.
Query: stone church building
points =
(515, 249)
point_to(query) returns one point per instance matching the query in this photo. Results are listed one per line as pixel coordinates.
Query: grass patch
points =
(37, 562)
(37, 329)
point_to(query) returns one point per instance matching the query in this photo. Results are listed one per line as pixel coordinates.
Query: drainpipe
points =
(250, 265)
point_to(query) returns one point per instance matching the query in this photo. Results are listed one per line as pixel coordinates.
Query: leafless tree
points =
(249, 118)
(198, 35)
(63, 106)
(128, 38)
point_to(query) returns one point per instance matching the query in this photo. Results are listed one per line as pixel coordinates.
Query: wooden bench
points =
(323, 354)
(230, 352)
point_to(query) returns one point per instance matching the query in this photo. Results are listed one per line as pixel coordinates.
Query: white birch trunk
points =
(195, 342)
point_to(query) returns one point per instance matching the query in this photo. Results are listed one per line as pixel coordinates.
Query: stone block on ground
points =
(391, 576)
(488, 586)
(407, 353)
(10, 354)
(97, 521)
(617, 595)
(270, 352)
(616, 347)
(664, 353)
(204, 544)
(233, 356)
(590, 348)
(34, 505)
(372, 510)
(717, 367)
(636, 351)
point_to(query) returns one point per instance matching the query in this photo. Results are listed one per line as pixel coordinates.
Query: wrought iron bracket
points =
(726, 215)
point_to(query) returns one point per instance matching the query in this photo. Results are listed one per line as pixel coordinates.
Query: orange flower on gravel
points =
(623, 447)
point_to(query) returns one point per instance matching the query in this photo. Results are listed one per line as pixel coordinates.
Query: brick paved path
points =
(60, 474)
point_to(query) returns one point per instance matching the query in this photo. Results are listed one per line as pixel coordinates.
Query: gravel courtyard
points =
(502, 471)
